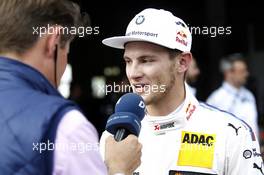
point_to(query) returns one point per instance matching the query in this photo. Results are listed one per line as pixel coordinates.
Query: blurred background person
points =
(233, 96)
(192, 76)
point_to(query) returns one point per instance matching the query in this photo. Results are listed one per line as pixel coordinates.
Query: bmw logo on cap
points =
(140, 19)
(180, 23)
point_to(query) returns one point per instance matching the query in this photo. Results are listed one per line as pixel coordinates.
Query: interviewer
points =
(32, 112)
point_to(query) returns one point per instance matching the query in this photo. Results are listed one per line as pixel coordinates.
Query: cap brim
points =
(120, 41)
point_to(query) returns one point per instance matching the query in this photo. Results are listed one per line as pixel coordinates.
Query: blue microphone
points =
(129, 111)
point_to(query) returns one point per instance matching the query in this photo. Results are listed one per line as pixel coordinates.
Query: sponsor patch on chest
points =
(197, 149)
(173, 172)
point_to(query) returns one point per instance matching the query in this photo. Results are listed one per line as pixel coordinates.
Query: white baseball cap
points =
(160, 27)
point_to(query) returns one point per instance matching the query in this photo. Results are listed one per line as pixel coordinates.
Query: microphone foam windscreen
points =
(131, 102)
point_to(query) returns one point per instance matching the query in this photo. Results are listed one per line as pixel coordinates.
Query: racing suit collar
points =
(176, 119)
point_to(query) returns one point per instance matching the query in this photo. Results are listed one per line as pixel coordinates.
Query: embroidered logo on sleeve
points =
(197, 149)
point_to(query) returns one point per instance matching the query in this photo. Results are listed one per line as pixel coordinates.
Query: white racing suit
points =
(196, 139)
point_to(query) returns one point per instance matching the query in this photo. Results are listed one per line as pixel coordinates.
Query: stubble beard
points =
(157, 97)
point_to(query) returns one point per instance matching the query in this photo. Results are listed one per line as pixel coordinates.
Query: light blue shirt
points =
(239, 102)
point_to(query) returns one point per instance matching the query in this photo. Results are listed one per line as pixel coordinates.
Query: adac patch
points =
(197, 149)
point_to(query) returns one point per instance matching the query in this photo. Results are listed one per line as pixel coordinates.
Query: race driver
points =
(179, 135)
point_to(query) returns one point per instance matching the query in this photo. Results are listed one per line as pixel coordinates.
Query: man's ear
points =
(184, 60)
(52, 39)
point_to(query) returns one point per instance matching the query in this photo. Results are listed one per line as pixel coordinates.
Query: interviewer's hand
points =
(124, 156)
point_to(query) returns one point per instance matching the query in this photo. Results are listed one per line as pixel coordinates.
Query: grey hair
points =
(227, 62)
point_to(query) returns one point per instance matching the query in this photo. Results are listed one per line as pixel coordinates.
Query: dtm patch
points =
(172, 172)
(197, 149)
